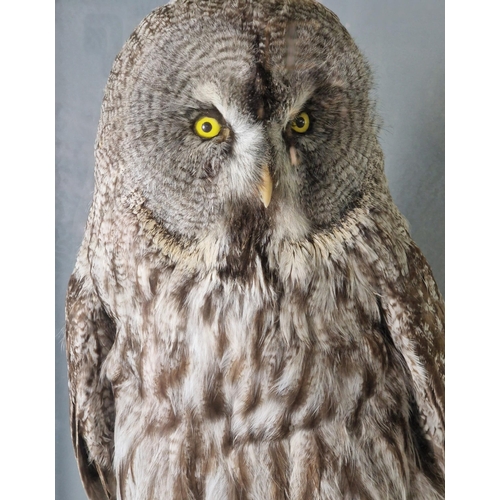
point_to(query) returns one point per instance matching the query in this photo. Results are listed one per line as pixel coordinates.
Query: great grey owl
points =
(248, 317)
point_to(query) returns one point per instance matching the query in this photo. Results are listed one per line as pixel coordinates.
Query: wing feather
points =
(89, 336)
(414, 312)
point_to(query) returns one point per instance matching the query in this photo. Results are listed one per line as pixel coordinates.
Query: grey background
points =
(402, 39)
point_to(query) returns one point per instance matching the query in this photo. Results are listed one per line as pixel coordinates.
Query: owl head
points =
(240, 121)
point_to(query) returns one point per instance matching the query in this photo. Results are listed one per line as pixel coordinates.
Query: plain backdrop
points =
(402, 39)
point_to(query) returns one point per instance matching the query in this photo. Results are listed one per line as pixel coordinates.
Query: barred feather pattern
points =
(221, 350)
(281, 386)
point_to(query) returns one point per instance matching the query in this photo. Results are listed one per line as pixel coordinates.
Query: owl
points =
(249, 317)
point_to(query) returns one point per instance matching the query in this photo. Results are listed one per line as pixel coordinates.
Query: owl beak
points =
(266, 186)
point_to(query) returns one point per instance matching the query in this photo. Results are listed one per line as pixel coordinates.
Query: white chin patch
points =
(290, 223)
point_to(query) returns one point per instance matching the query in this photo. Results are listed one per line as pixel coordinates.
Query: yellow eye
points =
(207, 127)
(301, 123)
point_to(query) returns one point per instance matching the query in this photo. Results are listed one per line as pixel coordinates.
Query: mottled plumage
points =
(220, 349)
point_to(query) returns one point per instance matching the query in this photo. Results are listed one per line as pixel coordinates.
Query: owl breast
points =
(256, 385)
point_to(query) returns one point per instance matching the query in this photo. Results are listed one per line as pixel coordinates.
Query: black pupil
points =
(300, 122)
(206, 127)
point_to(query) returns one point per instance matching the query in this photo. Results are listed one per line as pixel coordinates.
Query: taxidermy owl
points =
(248, 317)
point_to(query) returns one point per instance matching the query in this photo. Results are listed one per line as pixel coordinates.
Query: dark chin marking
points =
(247, 226)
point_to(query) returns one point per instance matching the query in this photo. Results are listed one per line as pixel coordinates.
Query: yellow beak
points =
(266, 186)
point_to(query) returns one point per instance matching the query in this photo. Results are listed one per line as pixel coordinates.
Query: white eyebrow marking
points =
(207, 92)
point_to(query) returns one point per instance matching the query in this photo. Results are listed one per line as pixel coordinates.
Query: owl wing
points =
(413, 311)
(89, 336)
